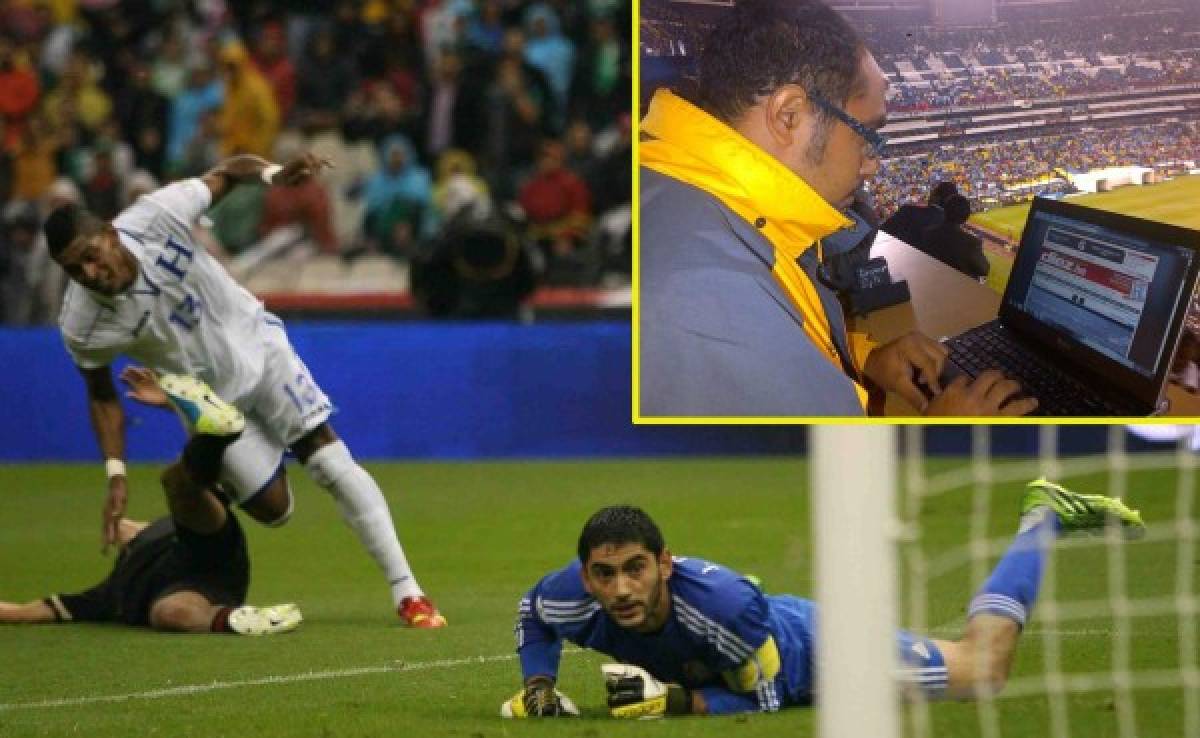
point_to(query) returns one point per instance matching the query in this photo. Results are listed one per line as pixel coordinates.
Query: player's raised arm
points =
(250, 168)
(108, 424)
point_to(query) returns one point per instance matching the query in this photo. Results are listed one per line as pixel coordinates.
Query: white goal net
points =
(1112, 646)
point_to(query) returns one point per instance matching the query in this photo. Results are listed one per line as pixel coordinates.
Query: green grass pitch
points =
(478, 535)
(1168, 202)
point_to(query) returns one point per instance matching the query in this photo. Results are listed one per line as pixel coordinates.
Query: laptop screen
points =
(1112, 291)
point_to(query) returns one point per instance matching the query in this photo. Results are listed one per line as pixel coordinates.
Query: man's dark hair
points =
(941, 192)
(762, 45)
(958, 209)
(61, 227)
(619, 524)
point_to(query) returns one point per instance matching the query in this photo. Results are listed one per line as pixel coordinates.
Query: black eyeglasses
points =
(873, 141)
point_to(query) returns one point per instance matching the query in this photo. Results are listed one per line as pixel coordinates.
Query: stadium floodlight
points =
(853, 521)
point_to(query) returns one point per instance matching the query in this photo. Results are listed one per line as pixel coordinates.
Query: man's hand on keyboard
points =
(990, 394)
(898, 365)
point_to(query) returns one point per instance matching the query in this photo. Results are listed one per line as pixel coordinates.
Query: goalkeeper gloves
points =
(539, 698)
(633, 693)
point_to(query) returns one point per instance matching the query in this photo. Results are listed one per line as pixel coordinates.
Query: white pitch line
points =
(189, 689)
(310, 676)
(954, 629)
(1034, 631)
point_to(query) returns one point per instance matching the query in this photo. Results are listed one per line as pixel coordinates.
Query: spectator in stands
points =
(202, 152)
(910, 222)
(78, 99)
(602, 161)
(170, 71)
(600, 90)
(6, 174)
(396, 197)
(374, 109)
(392, 70)
(204, 94)
(551, 53)
(451, 112)
(441, 27)
(514, 122)
(249, 120)
(324, 82)
(142, 112)
(485, 29)
(557, 204)
(272, 62)
(102, 189)
(951, 244)
(19, 94)
(35, 158)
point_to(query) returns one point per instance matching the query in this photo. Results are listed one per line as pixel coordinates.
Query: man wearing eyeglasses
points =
(739, 184)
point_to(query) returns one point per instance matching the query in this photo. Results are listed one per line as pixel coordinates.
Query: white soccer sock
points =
(365, 510)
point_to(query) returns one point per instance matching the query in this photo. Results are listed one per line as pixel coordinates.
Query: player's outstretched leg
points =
(365, 510)
(214, 425)
(187, 611)
(979, 663)
(1080, 512)
(200, 409)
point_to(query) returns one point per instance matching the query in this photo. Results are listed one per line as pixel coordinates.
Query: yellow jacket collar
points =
(693, 146)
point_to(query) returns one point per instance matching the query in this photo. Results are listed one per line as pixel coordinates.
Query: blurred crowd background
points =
(478, 140)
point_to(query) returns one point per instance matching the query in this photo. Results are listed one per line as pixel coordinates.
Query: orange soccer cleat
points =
(419, 612)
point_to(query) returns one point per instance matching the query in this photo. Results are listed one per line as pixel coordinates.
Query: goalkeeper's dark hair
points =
(762, 45)
(65, 223)
(619, 524)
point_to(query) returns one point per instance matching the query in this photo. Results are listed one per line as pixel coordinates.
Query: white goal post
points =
(854, 530)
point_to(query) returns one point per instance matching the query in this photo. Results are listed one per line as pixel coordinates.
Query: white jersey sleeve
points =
(80, 322)
(184, 200)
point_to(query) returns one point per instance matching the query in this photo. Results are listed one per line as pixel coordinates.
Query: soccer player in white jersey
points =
(142, 287)
(693, 637)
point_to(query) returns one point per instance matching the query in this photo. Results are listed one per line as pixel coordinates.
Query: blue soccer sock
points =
(1012, 588)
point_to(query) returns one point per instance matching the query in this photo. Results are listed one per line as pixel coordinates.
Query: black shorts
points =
(162, 560)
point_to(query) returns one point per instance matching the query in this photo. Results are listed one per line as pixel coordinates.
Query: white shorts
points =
(286, 405)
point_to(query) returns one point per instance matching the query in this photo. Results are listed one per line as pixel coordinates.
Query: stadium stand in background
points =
(1007, 108)
(503, 116)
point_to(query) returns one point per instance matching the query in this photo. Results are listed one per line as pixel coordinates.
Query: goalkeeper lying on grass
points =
(188, 572)
(693, 637)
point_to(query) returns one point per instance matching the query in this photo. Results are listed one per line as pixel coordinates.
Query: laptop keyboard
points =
(989, 346)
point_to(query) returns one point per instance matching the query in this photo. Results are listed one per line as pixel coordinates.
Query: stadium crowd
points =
(1088, 31)
(1045, 59)
(977, 87)
(510, 115)
(1000, 172)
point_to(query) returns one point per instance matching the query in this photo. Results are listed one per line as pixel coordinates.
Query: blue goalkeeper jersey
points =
(743, 650)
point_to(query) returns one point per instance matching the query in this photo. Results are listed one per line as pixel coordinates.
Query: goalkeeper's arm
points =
(540, 649)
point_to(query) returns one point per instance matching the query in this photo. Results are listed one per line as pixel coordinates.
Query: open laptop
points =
(1092, 313)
